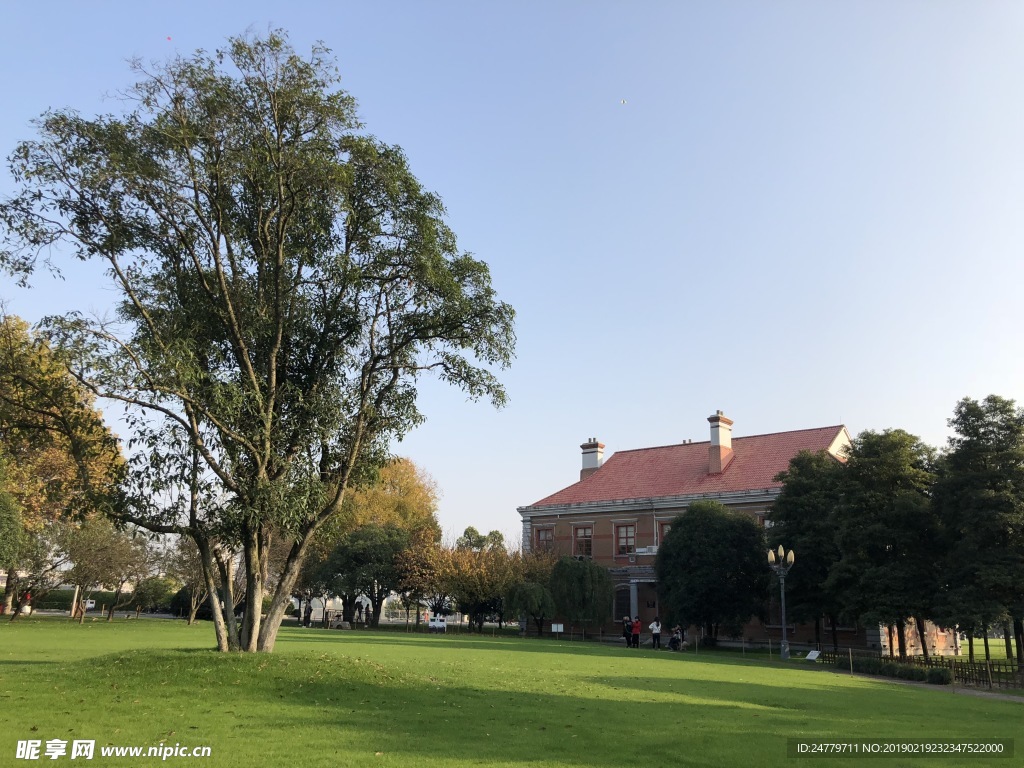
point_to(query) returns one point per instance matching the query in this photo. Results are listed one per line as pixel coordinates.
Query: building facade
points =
(620, 509)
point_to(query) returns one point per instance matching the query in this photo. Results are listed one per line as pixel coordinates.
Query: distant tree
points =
(365, 561)
(531, 593)
(712, 569)
(803, 520)
(980, 501)
(155, 593)
(103, 556)
(582, 592)
(184, 564)
(401, 495)
(887, 532)
(473, 540)
(478, 580)
(283, 282)
(61, 462)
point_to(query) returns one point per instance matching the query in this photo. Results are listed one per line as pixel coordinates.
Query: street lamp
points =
(781, 566)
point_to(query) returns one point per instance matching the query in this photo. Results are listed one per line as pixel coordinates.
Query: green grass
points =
(390, 699)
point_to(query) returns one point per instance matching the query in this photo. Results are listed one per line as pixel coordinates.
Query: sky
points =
(799, 213)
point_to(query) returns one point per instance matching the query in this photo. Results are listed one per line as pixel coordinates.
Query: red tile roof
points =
(681, 470)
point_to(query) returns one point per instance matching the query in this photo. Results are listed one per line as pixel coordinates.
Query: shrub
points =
(939, 676)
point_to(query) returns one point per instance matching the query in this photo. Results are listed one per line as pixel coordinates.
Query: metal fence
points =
(980, 674)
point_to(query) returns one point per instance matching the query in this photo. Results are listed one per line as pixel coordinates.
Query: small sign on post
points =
(813, 655)
(557, 629)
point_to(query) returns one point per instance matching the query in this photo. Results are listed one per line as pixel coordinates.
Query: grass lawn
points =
(328, 698)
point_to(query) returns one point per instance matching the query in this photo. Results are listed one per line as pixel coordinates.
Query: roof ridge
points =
(744, 437)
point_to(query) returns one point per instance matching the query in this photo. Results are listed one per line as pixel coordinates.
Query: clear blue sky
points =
(805, 213)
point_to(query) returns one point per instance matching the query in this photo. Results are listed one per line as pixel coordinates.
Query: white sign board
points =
(558, 628)
(813, 655)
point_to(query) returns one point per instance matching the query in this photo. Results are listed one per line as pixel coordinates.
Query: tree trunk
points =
(224, 637)
(10, 589)
(282, 595)
(835, 633)
(113, 603)
(1018, 635)
(254, 588)
(901, 637)
(817, 632)
(922, 635)
(1007, 639)
(970, 647)
(74, 604)
(889, 629)
(988, 653)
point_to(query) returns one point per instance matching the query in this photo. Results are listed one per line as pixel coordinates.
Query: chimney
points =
(720, 451)
(593, 457)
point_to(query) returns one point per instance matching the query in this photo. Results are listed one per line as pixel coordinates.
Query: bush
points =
(872, 665)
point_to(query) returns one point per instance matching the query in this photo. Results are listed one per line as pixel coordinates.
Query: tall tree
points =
(803, 520)
(582, 591)
(980, 500)
(887, 532)
(711, 568)
(283, 279)
(531, 594)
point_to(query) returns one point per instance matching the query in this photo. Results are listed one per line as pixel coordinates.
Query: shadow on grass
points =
(418, 711)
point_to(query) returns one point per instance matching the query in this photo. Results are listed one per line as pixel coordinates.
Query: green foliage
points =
(711, 568)
(980, 501)
(803, 520)
(473, 540)
(155, 593)
(365, 561)
(11, 529)
(886, 529)
(582, 591)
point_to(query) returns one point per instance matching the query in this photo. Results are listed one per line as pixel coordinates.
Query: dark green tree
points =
(283, 281)
(803, 520)
(712, 569)
(887, 533)
(980, 501)
(582, 591)
(366, 561)
(531, 594)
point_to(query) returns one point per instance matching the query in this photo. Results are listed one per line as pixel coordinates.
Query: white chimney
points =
(593, 457)
(720, 451)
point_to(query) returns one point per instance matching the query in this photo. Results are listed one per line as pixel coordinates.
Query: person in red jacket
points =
(636, 632)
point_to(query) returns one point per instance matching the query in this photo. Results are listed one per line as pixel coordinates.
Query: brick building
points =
(619, 510)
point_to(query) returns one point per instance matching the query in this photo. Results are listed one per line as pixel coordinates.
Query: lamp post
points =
(781, 566)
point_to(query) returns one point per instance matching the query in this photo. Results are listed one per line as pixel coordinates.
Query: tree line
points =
(900, 533)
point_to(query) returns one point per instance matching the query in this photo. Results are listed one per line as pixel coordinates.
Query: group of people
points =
(631, 634)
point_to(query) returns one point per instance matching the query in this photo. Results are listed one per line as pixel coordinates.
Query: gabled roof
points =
(682, 470)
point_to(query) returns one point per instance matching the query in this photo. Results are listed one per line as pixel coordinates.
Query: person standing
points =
(655, 628)
(627, 631)
(636, 632)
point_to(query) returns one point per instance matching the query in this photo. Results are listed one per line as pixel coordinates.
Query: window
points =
(545, 538)
(664, 532)
(584, 537)
(625, 537)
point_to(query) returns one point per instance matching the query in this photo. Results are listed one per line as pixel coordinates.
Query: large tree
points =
(283, 281)
(887, 532)
(803, 520)
(980, 502)
(711, 568)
